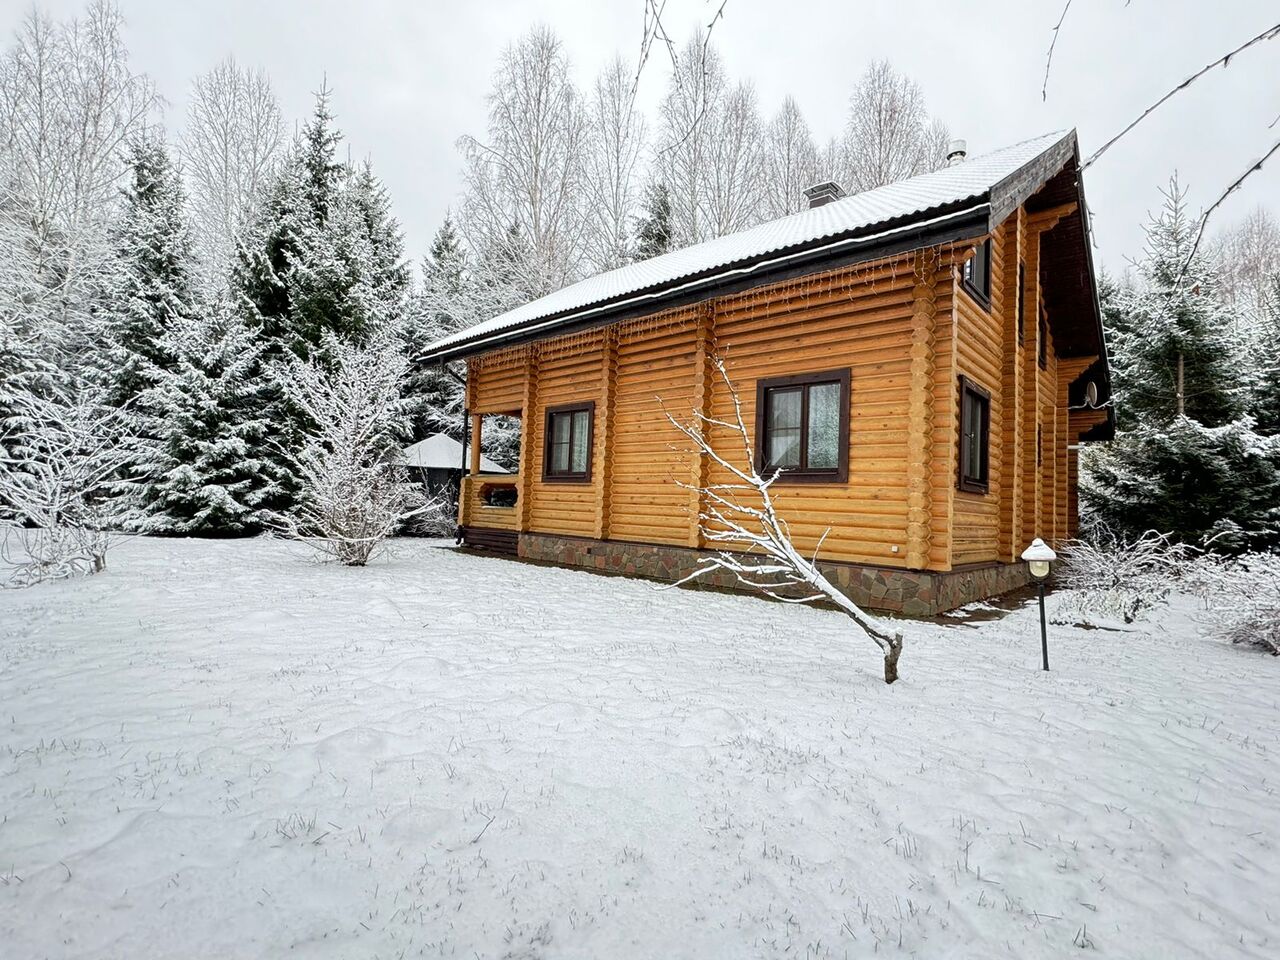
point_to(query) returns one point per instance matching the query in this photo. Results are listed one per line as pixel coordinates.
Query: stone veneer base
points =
(915, 593)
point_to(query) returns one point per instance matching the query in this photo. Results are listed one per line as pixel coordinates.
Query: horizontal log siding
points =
(649, 456)
(862, 318)
(859, 319)
(568, 373)
(498, 382)
(980, 357)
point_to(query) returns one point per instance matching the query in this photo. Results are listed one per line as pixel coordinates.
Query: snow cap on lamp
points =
(1038, 556)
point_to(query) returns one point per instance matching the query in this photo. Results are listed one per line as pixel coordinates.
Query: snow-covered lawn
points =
(219, 749)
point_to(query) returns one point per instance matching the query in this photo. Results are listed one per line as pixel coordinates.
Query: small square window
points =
(977, 273)
(975, 436)
(567, 455)
(802, 427)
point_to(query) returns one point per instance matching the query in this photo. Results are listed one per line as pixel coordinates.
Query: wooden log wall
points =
(904, 327)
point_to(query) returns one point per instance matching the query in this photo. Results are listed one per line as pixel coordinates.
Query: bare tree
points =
(1249, 257)
(69, 102)
(755, 541)
(230, 146)
(790, 161)
(524, 183)
(889, 135)
(354, 494)
(734, 174)
(688, 112)
(612, 176)
(61, 467)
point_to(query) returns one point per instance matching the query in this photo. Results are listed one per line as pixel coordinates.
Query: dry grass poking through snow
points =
(218, 749)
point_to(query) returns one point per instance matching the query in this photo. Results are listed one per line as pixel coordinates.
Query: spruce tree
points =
(1266, 399)
(1187, 460)
(324, 258)
(153, 285)
(212, 475)
(654, 228)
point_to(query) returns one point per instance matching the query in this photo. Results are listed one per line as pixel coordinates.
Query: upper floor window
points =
(1043, 346)
(567, 456)
(802, 426)
(1022, 301)
(977, 272)
(975, 436)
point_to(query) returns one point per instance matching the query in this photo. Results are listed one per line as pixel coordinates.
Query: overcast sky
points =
(408, 78)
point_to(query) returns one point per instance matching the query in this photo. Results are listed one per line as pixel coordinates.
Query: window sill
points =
(547, 479)
(971, 486)
(786, 479)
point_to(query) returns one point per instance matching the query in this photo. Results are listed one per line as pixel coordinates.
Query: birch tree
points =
(790, 161)
(688, 113)
(231, 146)
(889, 135)
(525, 179)
(734, 174)
(612, 176)
(69, 103)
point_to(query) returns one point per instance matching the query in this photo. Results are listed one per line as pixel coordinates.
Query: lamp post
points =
(1038, 556)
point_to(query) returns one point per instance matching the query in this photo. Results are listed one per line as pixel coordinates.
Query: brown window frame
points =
(968, 482)
(802, 474)
(980, 293)
(1043, 336)
(550, 476)
(1022, 301)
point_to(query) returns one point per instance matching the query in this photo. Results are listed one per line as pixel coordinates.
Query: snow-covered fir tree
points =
(153, 283)
(1187, 461)
(211, 471)
(1266, 398)
(653, 228)
(325, 257)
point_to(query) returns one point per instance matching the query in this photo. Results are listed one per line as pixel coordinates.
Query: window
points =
(1039, 444)
(977, 273)
(975, 430)
(802, 427)
(1022, 301)
(567, 456)
(1044, 339)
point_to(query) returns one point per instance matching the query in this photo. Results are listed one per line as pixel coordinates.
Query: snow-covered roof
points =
(441, 452)
(994, 179)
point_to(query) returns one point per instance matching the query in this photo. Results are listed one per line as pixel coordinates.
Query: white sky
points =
(409, 78)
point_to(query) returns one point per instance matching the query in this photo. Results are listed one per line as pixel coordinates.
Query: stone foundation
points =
(915, 593)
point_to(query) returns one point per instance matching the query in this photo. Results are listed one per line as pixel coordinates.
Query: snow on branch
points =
(754, 541)
(353, 492)
(61, 464)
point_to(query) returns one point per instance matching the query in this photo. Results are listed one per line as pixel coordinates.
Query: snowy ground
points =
(219, 749)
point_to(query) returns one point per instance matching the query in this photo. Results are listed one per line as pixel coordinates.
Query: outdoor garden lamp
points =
(1039, 556)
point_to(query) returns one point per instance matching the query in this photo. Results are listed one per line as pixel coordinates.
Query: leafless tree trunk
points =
(689, 111)
(889, 135)
(69, 103)
(524, 183)
(735, 173)
(790, 161)
(230, 147)
(756, 541)
(613, 175)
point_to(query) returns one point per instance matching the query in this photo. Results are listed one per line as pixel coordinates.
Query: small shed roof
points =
(441, 452)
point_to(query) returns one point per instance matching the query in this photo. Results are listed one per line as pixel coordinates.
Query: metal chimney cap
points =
(823, 192)
(957, 150)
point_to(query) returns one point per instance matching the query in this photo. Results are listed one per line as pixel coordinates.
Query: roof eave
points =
(956, 222)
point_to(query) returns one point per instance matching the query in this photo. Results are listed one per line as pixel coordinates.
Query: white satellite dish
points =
(1091, 393)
